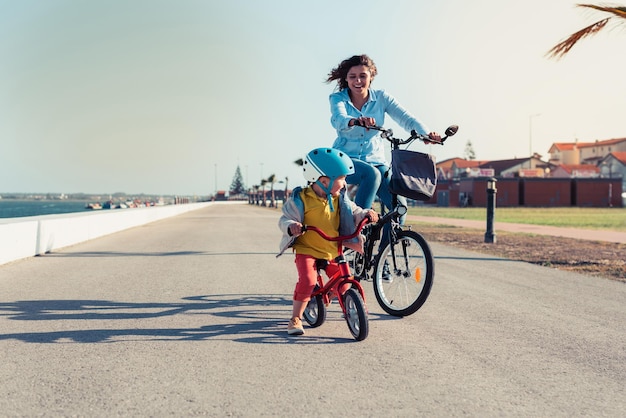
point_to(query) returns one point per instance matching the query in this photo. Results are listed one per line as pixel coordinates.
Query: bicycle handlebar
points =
(397, 212)
(388, 134)
(322, 234)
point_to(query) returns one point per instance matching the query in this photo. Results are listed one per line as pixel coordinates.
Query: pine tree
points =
(469, 151)
(237, 187)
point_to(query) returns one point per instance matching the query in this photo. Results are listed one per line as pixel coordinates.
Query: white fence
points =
(36, 235)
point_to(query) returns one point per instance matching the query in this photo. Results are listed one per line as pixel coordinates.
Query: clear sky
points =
(170, 96)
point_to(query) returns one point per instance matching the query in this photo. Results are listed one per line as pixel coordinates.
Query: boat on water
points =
(112, 205)
(123, 205)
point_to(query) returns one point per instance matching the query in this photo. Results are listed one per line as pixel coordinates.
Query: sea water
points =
(12, 208)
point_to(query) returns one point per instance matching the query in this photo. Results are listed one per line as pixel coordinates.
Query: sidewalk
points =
(588, 234)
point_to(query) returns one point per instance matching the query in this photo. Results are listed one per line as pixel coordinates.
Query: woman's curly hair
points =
(340, 73)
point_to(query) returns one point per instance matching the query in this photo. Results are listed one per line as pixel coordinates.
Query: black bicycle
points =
(402, 271)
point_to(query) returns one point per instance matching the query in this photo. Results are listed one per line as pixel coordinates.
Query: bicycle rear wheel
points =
(356, 261)
(315, 311)
(403, 275)
(356, 315)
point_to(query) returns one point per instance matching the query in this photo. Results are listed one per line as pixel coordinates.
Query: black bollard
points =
(490, 235)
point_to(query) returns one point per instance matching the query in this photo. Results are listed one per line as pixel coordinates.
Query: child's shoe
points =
(295, 327)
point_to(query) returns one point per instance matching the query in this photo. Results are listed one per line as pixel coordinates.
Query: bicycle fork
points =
(343, 278)
(393, 241)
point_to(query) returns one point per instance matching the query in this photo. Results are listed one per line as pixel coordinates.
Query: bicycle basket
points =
(413, 174)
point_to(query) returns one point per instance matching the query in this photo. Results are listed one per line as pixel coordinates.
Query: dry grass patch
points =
(594, 258)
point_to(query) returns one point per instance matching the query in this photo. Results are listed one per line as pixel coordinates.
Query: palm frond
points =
(563, 47)
(618, 11)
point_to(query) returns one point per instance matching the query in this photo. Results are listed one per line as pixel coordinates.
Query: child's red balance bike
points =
(352, 300)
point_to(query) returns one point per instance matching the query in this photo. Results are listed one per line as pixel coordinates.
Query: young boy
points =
(324, 204)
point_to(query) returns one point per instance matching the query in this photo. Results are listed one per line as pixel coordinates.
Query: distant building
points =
(604, 159)
(455, 168)
(613, 166)
(576, 174)
(575, 171)
(572, 153)
(593, 153)
(564, 153)
(519, 167)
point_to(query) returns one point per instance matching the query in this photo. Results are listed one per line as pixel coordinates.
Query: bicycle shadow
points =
(255, 319)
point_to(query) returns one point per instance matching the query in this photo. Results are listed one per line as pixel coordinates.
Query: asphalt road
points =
(187, 316)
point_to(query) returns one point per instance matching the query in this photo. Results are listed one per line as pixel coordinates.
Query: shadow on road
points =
(474, 258)
(258, 319)
(149, 254)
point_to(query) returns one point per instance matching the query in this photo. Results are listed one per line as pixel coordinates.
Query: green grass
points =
(587, 218)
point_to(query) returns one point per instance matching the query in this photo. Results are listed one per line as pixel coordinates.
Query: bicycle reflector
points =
(418, 274)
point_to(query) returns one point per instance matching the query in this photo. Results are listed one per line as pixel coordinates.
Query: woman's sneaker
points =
(386, 274)
(295, 327)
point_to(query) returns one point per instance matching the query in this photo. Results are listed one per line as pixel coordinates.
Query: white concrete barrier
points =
(36, 235)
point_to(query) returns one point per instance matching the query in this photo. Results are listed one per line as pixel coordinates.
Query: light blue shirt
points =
(358, 142)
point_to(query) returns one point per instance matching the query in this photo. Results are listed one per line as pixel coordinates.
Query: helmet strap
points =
(327, 191)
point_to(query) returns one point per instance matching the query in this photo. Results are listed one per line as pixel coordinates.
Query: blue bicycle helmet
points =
(328, 162)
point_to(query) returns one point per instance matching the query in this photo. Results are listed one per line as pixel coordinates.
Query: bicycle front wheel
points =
(356, 314)
(403, 275)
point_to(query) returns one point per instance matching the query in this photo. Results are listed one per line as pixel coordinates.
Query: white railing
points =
(36, 235)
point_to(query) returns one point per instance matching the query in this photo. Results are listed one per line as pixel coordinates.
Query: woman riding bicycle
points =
(356, 105)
